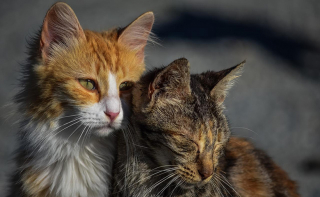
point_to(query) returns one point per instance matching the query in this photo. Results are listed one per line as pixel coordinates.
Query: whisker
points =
(75, 130)
(36, 148)
(85, 134)
(65, 128)
(221, 183)
(170, 182)
(77, 119)
(156, 173)
(179, 183)
(68, 116)
(159, 182)
(244, 129)
(217, 187)
(224, 179)
(81, 133)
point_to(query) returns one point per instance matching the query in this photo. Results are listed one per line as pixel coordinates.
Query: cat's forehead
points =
(103, 51)
(96, 57)
(203, 104)
(109, 56)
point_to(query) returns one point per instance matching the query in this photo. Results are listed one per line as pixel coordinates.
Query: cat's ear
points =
(136, 34)
(60, 24)
(226, 79)
(173, 81)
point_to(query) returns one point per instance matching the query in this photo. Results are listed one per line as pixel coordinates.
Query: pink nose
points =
(112, 115)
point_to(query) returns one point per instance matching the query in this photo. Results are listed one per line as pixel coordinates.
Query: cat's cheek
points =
(164, 157)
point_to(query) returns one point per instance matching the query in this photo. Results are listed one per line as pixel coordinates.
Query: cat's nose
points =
(205, 173)
(112, 115)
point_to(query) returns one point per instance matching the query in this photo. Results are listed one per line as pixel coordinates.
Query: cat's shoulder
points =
(255, 172)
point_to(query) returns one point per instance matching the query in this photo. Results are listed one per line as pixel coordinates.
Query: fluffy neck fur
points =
(52, 166)
(71, 102)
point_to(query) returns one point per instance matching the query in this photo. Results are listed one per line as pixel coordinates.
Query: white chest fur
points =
(70, 169)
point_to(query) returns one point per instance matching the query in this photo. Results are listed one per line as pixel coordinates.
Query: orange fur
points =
(34, 185)
(61, 57)
(249, 176)
(93, 59)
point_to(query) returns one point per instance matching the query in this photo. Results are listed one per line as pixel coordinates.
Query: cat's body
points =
(179, 142)
(75, 90)
(64, 169)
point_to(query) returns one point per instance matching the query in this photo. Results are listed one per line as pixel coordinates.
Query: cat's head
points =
(83, 75)
(182, 119)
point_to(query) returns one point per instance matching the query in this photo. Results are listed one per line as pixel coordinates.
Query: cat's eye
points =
(87, 84)
(124, 86)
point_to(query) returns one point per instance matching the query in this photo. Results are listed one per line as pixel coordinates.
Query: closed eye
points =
(197, 145)
(185, 136)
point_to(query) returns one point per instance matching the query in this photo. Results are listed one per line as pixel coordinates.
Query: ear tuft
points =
(60, 24)
(136, 34)
(226, 79)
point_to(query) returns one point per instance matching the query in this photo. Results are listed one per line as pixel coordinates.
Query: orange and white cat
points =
(73, 96)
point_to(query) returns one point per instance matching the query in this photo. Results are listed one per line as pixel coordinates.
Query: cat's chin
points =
(187, 186)
(104, 131)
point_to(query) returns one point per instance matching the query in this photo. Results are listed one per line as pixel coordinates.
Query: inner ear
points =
(226, 79)
(150, 91)
(135, 35)
(59, 26)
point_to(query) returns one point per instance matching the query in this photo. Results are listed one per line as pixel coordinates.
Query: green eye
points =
(87, 84)
(127, 85)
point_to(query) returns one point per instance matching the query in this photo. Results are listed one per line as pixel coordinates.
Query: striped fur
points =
(179, 142)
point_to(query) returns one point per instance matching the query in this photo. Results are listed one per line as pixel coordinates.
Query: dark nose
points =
(205, 172)
(112, 115)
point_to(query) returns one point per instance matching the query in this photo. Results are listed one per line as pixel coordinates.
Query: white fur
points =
(95, 115)
(70, 154)
(113, 101)
(70, 167)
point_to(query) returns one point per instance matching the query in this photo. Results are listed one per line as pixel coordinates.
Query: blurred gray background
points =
(276, 102)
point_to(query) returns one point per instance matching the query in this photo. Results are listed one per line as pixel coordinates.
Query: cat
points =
(74, 94)
(179, 141)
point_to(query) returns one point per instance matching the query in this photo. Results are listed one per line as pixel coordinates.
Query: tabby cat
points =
(74, 93)
(179, 143)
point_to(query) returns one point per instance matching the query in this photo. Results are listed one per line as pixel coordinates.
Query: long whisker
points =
(45, 137)
(39, 143)
(65, 128)
(81, 134)
(221, 183)
(71, 121)
(75, 130)
(170, 182)
(68, 116)
(163, 167)
(179, 183)
(152, 175)
(159, 182)
(215, 183)
(85, 134)
(244, 129)
(224, 179)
